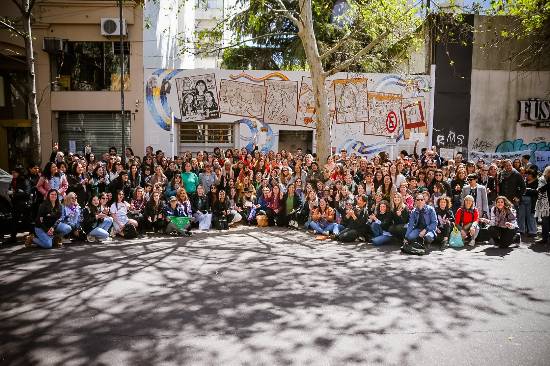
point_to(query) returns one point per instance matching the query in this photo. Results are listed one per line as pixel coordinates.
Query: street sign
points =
(391, 122)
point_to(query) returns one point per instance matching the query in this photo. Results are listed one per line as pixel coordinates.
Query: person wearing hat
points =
(479, 193)
(175, 209)
(20, 195)
(248, 205)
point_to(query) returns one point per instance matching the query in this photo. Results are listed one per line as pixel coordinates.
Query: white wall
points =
(160, 104)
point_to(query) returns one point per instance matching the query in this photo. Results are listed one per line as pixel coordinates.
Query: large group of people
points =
(415, 198)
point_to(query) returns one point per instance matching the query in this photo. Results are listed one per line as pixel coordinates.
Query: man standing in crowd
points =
(511, 184)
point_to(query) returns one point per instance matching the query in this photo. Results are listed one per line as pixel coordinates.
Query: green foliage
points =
(360, 23)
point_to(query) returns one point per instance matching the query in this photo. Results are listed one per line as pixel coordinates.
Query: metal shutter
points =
(100, 130)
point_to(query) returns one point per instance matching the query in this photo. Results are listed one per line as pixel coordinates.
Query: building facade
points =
(77, 54)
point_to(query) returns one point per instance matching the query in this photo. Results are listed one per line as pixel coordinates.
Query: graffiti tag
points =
(450, 139)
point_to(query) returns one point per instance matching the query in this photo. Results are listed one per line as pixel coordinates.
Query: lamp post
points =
(122, 116)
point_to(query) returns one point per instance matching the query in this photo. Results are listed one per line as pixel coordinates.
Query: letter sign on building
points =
(534, 112)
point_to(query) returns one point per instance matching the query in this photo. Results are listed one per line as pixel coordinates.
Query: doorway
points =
(292, 140)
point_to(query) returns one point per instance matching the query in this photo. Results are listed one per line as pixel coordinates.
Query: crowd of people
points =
(414, 199)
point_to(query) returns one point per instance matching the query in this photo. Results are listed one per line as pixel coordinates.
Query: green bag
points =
(180, 222)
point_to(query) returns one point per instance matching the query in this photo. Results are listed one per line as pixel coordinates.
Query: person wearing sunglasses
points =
(422, 222)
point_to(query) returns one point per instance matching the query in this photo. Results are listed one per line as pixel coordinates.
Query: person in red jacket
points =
(467, 220)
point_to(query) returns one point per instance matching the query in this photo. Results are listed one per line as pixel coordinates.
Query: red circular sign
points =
(391, 122)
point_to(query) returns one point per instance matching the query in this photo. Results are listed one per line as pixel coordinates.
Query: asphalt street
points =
(254, 296)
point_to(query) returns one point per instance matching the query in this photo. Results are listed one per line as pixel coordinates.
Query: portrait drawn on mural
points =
(281, 104)
(242, 99)
(197, 95)
(351, 100)
(384, 114)
(306, 103)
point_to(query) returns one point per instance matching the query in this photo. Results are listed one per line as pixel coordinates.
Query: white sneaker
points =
(90, 239)
(472, 243)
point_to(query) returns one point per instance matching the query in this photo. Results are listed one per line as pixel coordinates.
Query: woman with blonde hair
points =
(71, 218)
(467, 220)
(400, 216)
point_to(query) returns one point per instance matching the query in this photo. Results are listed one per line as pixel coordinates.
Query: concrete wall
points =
(497, 86)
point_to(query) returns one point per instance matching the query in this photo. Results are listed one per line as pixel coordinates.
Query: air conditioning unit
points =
(54, 45)
(110, 27)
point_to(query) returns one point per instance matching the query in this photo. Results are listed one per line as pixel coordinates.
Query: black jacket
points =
(47, 216)
(400, 220)
(359, 224)
(511, 186)
(201, 203)
(89, 221)
(296, 204)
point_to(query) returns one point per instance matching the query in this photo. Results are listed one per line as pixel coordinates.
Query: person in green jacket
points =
(190, 180)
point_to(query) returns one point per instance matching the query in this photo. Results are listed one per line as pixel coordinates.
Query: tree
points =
(25, 8)
(363, 33)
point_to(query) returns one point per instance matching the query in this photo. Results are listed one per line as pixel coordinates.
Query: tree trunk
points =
(307, 36)
(33, 106)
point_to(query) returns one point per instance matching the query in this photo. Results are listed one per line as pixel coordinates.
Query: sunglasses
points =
(419, 199)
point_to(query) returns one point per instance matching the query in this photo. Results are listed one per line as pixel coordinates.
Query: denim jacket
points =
(430, 218)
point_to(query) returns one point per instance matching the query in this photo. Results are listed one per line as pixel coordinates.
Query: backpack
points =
(414, 247)
(129, 231)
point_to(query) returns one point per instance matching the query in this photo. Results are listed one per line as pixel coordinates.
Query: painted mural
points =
(366, 109)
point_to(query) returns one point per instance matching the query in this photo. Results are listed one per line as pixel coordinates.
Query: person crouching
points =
(175, 209)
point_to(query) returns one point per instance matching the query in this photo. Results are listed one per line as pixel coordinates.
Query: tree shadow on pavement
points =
(270, 297)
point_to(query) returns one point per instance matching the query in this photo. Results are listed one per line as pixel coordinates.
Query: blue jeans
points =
(331, 228)
(101, 231)
(42, 239)
(63, 229)
(378, 237)
(526, 219)
(415, 233)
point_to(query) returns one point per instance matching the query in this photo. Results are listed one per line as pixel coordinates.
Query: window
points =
(91, 66)
(208, 4)
(206, 133)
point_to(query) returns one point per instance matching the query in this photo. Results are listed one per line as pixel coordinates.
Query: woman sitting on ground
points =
(248, 205)
(49, 213)
(380, 222)
(400, 217)
(119, 212)
(221, 212)
(503, 224)
(95, 223)
(466, 220)
(69, 225)
(175, 209)
(153, 217)
(445, 220)
(291, 205)
(323, 220)
(202, 213)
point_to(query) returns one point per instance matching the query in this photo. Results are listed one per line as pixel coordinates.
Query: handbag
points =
(455, 239)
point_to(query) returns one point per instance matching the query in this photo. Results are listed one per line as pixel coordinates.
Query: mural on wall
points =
(384, 114)
(254, 138)
(198, 97)
(157, 89)
(412, 112)
(359, 148)
(518, 145)
(362, 119)
(242, 99)
(306, 103)
(351, 100)
(281, 103)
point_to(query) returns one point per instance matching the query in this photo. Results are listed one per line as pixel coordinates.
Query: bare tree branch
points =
(31, 5)
(337, 46)
(7, 24)
(217, 49)
(357, 56)
(288, 14)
